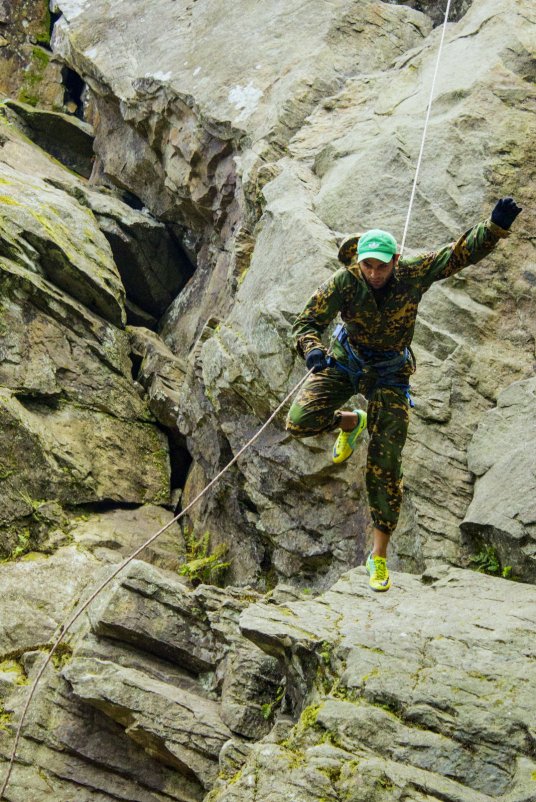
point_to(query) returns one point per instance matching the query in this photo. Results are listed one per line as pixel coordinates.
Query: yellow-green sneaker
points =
(378, 573)
(345, 442)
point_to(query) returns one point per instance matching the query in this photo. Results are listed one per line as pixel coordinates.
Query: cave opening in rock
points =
(136, 361)
(132, 200)
(180, 461)
(101, 506)
(73, 92)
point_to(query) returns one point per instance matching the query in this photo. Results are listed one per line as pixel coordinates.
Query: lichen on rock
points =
(231, 156)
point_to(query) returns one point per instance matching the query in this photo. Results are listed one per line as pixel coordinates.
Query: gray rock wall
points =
(232, 151)
(258, 158)
(426, 693)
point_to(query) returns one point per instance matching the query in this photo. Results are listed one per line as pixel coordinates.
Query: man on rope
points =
(377, 295)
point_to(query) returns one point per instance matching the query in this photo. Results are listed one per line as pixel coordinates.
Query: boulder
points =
(116, 533)
(38, 593)
(156, 612)
(178, 728)
(65, 137)
(45, 231)
(63, 453)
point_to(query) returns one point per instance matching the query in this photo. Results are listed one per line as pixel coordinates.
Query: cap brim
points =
(383, 257)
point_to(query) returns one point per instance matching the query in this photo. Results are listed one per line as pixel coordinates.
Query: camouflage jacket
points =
(390, 326)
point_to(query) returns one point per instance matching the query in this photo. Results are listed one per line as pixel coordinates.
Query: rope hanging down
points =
(66, 626)
(425, 129)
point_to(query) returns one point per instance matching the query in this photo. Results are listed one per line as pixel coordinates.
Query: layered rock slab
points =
(178, 728)
(426, 692)
(70, 750)
(164, 669)
(44, 230)
(158, 613)
(503, 510)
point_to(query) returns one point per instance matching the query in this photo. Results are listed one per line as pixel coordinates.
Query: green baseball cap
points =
(376, 244)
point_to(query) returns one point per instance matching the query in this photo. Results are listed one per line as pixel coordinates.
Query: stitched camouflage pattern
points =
(389, 326)
(387, 424)
(315, 411)
(348, 249)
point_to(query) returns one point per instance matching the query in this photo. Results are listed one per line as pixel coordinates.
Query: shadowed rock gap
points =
(180, 459)
(74, 89)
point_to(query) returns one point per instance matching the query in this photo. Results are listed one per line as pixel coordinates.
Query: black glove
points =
(505, 212)
(316, 360)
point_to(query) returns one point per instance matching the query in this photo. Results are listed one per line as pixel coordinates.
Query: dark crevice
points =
(103, 505)
(186, 263)
(435, 10)
(136, 316)
(136, 361)
(132, 200)
(180, 459)
(36, 401)
(245, 502)
(73, 89)
(54, 17)
(266, 562)
(152, 262)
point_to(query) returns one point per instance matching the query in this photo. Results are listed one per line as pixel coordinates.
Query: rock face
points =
(169, 693)
(159, 668)
(414, 698)
(27, 70)
(147, 292)
(503, 512)
(67, 397)
(258, 159)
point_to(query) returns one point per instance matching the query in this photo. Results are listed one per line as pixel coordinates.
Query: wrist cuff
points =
(497, 230)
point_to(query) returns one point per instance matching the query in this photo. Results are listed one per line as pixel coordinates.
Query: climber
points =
(377, 295)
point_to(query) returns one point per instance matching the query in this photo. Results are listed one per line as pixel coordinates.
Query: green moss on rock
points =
(33, 77)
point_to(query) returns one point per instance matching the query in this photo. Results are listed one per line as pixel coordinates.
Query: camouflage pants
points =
(315, 411)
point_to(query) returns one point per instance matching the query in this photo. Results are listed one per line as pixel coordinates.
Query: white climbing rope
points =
(425, 129)
(66, 626)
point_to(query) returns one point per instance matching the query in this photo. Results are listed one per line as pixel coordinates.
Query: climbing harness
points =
(383, 366)
(65, 627)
